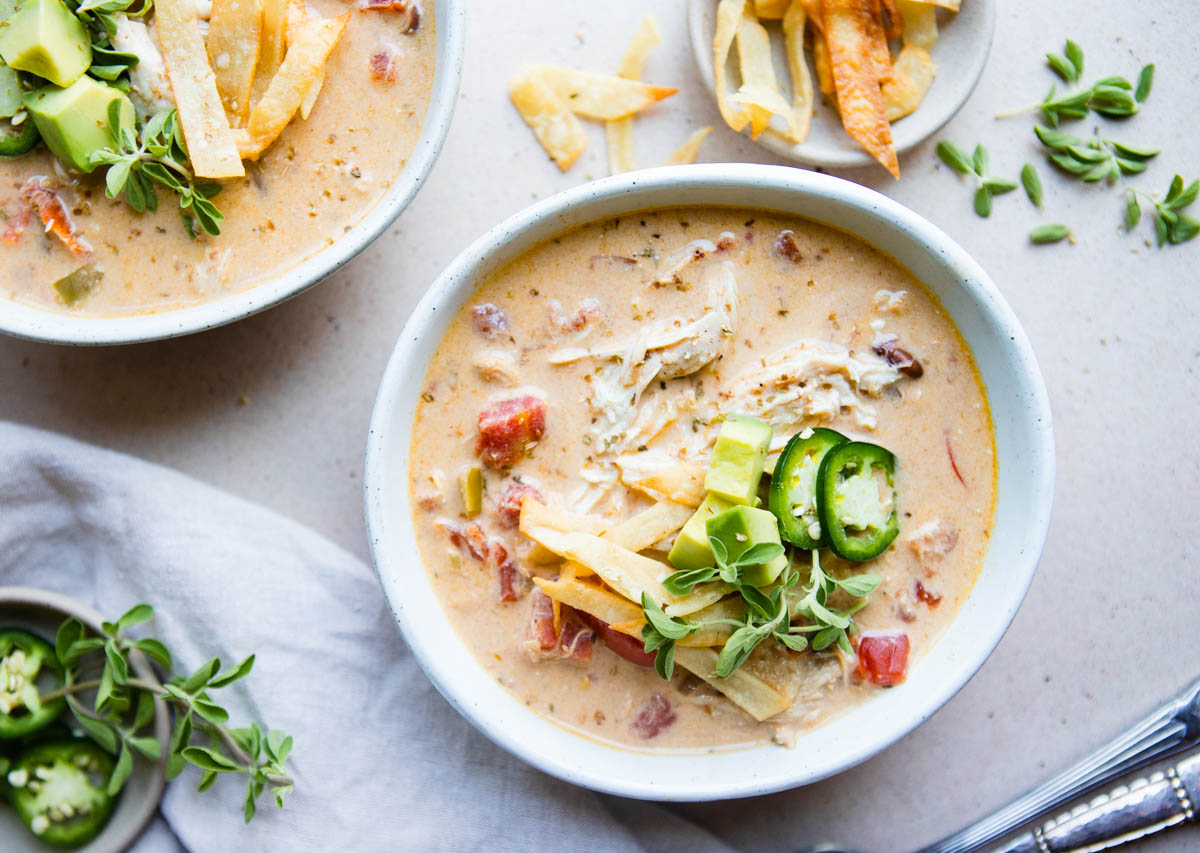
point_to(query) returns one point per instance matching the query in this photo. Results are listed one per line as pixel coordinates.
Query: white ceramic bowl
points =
(25, 321)
(1025, 457)
(960, 54)
(42, 612)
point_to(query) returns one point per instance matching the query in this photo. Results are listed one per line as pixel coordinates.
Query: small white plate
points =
(960, 54)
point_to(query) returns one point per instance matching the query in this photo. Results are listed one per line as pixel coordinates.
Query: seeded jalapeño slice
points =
(794, 486)
(856, 500)
(28, 668)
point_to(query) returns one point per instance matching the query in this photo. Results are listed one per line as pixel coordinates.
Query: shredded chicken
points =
(932, 541)
(807, 710)
(672, 265)
(497, 366)
(813, 380)
(148, 86)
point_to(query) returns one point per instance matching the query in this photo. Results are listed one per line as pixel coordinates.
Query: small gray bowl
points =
(41, 612)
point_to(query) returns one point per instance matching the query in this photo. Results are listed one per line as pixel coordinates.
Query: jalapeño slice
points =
(856, 500)
(28, 668)
(794, 486)
(58, 789)
(17, 140)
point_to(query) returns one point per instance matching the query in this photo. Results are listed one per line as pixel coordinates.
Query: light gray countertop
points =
(275, 408)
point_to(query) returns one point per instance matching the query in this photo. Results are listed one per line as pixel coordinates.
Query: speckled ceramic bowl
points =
(41, 612)
(25, 321)
(1024, 453)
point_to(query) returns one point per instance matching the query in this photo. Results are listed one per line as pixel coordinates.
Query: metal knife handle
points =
(1130, 812)
(1168, 730)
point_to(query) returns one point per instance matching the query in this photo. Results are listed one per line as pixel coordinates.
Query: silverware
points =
(1130, 812)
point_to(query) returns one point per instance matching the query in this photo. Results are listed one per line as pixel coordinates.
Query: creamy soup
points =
(313, 183)
(586, 384)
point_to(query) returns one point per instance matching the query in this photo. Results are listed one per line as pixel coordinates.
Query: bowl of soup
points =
(708, 481)
(308, 135)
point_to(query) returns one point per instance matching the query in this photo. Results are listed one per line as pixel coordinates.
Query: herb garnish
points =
(1032, 184)
(975, 165)
(1171, 224)
(768, 613)
(1049, 234)
(1112, 96)
(1095, 159)
(121, 716)
(158, 157)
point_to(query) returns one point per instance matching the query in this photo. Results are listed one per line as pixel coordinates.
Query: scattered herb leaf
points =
(1032, 184)
(1049, 234)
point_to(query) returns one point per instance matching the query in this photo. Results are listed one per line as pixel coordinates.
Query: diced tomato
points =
(883, 658)
(508, 428)
(470, 538)
(16, 223)
(622, 645)
(572, 641)
(382, 66)
(541, 620)
(508, 508)
(930, 599)
(575, 639)
(653, 717)
(785, 245)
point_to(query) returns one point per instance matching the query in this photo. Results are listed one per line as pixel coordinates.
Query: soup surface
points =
(310, 186)
(610, 355)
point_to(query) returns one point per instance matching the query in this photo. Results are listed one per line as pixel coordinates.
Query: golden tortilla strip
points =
(702, 596)
(682, 483)
(759, 92)
(729, 16)
(639, 532)
(952, 5)
(877, 39)
(589, 598)
(551, 120)
(273, 38)
(536, 513)
(619, 131)
(750, 693)
(233, 42)
(895, 21)
(302, 66)
(600, 96)
(911, 79)
(821, 64)
(851, 35)
(794, 20)
(627, 572)
(920, 23)
(310, 97)
(686, 153)
(210, 142)
(296, 16)
(771, 10)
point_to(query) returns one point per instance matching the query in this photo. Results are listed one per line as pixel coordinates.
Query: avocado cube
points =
(691, 550)
(737, 461)
(10, 92)
(741, 528)
(45, 38)
(73, 121)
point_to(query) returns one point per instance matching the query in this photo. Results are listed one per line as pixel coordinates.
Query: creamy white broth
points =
(594, 289)
(312, 185)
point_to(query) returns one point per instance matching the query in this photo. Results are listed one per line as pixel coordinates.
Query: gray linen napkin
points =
(381, 761)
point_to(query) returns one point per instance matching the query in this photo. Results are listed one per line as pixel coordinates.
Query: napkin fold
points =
(381, 761)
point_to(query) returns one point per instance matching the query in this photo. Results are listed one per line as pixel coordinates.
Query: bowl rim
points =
(45, 326)
(850, 157)
(44, 599)
(560, 213)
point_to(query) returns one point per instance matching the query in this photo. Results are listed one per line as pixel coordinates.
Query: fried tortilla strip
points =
(913, 75)
(794, 21)
(730, 607)
(952, 5)
(851, 35)
(824, 72)
(749, 692)
(627, 572)
(729, 16)
(589, 598)
(550, 119)
(295, 17)
(233, 42)
(274, 18)
(682, 482)
(305, 61)
(700, 597)
(619, 131)
(895, 21)
(651, 525)
(686, 153)
(920, 23)
(534, 512)
(600, 96)
(877, 40)
(759, 92)
(210, 142)
(771, 10)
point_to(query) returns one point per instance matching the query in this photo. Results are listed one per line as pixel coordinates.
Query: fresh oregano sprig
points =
(768, 614)
(975, 166)
(119, 715)
(1171, 224)
(1113, 96)
(158, 155)
(1095, 159)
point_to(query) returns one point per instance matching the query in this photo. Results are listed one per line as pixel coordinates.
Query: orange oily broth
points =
(829, 295)
(316, 182)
